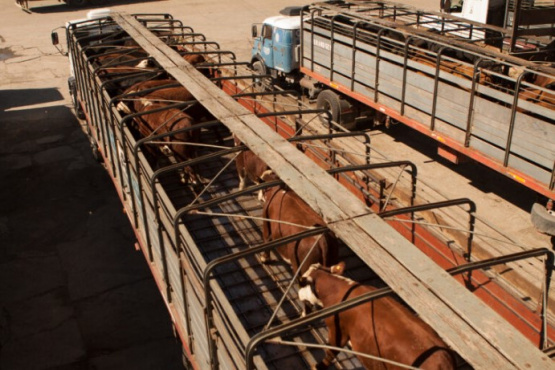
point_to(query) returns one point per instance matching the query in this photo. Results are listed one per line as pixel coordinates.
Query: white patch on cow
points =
(261, 197)
(286, 260)
(515, 72)
(146, 102)
(242, 182)
(143, 64)
(314, 266)
(264, 257)
(307, 295)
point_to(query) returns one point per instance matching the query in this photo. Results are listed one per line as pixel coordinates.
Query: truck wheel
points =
(331, 102)
(542, 219)
(260, 84)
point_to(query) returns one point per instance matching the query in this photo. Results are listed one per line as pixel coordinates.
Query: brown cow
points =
(163, 95)
(166, 121)
(166, 96)
(382, 328)
(286, 214)
(250, 167)
(197, 60)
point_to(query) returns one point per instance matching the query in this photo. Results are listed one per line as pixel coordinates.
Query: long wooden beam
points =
(467, 324)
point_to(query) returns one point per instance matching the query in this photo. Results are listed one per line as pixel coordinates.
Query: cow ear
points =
(338, 269)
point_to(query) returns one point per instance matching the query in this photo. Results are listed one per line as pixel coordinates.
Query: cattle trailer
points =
(202, 240)
(475, 89)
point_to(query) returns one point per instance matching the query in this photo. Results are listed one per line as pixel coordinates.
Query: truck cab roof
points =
(284, 22)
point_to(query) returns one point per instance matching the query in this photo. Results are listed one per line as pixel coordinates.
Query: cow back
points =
(296, 216)
(384, 327)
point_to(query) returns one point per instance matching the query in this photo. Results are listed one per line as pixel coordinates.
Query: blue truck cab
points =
(277, 45)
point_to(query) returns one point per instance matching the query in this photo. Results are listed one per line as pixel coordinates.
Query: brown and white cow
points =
(178, 145)
(197, 61)
(250, 168)
(285, 214)
(382, 328)
(162, 95)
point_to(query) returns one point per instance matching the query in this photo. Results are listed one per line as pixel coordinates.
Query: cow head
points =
(266, 176)
(309, 292)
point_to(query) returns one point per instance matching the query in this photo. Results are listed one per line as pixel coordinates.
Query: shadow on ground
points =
(479, 176)
(74, 293)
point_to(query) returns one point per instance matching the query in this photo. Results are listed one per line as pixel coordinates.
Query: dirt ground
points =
(74, 293)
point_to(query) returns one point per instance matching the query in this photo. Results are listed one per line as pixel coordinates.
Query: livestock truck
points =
(203, 240)
(480, 91)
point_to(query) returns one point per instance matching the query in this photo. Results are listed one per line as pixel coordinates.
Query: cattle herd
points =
(384, 329)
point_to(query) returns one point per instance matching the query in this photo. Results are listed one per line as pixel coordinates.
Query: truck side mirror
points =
(54, 37)
(254, 31)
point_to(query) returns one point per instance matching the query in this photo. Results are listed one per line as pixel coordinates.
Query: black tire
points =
(330, 101)
(260, 84)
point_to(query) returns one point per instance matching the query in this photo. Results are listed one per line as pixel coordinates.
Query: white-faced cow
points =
(382, 328)
(285, 214)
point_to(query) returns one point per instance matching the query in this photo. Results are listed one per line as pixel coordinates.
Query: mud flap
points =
(543, 220)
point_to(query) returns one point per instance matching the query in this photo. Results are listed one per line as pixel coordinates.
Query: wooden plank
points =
(434, 286)
(488, 341)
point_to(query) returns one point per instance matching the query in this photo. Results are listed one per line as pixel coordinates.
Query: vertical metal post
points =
(436, 88)
(332, 44)
(405, 65)
(516, 23)
(470, 116)
(312, 40)
(548, 265)
(153, 182)
(377, 68)
(513, 119)
(353, 55)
